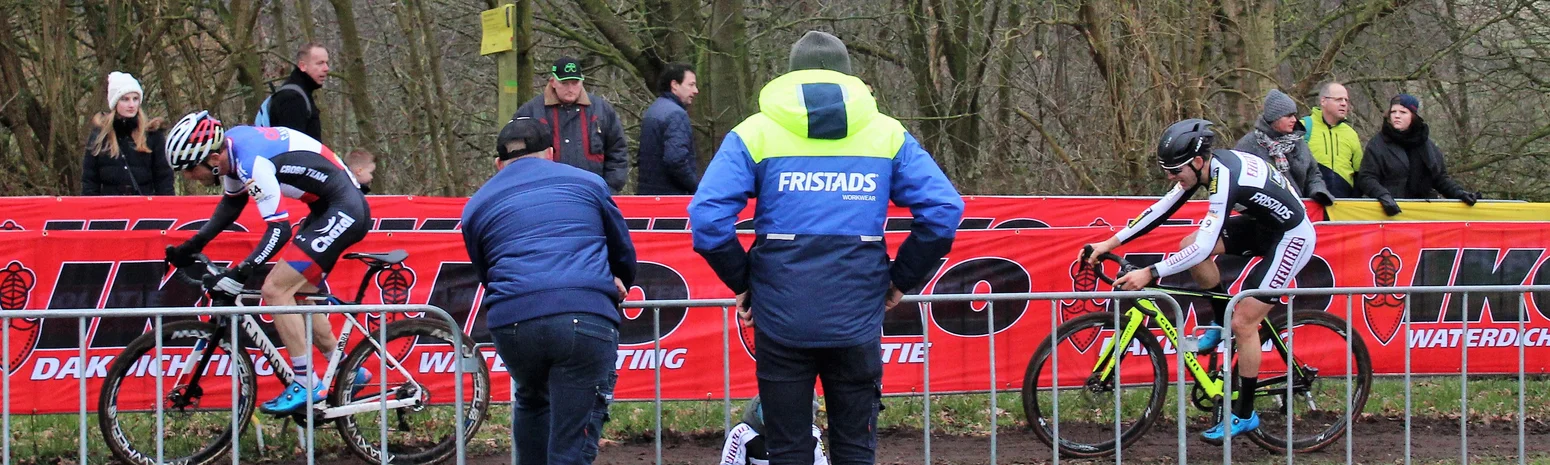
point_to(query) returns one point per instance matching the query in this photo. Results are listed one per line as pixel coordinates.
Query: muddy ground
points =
(1433, 441)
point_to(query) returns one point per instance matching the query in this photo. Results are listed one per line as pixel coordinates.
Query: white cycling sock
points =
(304, 375)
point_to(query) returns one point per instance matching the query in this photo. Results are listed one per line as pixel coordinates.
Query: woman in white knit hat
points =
(125, 152)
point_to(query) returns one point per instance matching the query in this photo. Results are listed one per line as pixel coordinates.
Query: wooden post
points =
(514, 68)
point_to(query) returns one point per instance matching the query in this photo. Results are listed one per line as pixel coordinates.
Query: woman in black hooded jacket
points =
(125, 154)
(1403, 162)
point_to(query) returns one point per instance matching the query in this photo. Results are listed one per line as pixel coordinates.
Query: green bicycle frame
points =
(1107, 366)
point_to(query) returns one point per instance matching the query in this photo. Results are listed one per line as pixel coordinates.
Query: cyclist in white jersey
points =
(1270, 222)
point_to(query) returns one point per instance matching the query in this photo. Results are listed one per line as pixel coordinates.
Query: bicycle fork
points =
(194, 367)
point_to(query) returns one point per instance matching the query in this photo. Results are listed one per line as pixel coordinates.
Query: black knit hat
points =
(532, 136)
(1408, 101)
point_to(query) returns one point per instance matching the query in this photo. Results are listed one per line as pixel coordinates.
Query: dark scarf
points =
(1413, 140)
(125, 127)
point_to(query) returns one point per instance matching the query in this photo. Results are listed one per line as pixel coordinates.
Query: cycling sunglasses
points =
(1176, 169)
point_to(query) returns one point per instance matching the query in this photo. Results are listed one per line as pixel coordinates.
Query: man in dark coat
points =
(291, 109)
(587, 133)
(666, 157)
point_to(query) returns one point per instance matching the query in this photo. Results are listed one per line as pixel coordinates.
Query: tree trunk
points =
(308, 25)
(727, 80)
(353, 66)
(1249, 26)
(441, 115)
(524, 47)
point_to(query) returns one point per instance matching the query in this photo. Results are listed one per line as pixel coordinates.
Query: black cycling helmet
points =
(1183, 141)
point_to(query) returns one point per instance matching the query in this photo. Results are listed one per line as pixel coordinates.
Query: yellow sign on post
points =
(496, 27)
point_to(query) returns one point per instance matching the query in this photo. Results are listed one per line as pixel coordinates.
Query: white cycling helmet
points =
(193, 139)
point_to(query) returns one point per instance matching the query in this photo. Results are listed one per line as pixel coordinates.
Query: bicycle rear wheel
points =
(197, 430)
(1087, 415)
(1326, 353)
(419, 358)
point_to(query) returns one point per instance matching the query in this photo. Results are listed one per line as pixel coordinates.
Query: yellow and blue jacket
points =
(823, 163)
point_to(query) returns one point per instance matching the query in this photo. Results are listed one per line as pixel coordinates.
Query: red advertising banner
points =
(664, 213)
(122, 269)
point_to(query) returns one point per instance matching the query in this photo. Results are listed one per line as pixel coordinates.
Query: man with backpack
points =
(291, 105)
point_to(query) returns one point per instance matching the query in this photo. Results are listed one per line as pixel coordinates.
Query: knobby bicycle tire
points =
(136, 443)
(402, 335)
(1070, 444)
(1273, 437)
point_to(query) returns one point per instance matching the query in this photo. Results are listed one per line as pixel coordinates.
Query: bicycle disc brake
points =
(184, 396)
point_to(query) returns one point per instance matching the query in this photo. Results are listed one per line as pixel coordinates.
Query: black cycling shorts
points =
(1284, 253)
(325, 235)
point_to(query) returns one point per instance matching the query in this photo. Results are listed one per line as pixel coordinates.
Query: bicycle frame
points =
(1107, 365)
(194, 367)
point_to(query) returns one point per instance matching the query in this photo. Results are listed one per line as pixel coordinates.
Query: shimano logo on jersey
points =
(827, 181)
(330, 232)
(304, 171)
(274, 241)
(1272, 204)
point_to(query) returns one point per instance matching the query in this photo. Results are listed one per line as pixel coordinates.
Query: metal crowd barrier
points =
(725, 305)
(1405, 318)
(234, 311)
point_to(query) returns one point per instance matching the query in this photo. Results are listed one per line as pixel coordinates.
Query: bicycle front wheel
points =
(1324, 353)
(418, 355)
(196, 421)
(1089, 424)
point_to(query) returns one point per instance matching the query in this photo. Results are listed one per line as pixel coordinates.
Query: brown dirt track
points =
(1377, 441)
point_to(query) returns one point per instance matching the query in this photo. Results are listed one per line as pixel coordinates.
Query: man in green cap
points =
(587, 133)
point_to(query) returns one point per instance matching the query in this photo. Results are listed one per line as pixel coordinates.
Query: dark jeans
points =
(852, 387)
(563, 366)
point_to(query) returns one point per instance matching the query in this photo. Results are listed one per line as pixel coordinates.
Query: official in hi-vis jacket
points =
(824, 164)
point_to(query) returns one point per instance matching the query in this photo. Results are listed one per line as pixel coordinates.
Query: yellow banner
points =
(1438, 210)
(496, 26)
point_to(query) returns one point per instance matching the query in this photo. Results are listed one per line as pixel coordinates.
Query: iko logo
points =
(1384, 311)
(16, 282)
(330, 232)
(395, 284)
(1083, 279)
(827, 181)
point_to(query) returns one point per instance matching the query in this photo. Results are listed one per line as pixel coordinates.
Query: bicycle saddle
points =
(385, 258)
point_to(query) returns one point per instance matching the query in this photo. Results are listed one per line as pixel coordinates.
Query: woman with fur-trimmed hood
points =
(125, 153)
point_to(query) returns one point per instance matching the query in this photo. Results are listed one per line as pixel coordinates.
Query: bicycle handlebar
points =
(1124, 266)
(194, 275)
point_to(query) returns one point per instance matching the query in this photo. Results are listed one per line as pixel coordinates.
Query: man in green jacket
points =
(1333, 142)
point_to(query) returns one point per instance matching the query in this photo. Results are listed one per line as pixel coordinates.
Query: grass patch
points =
(48, 439)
